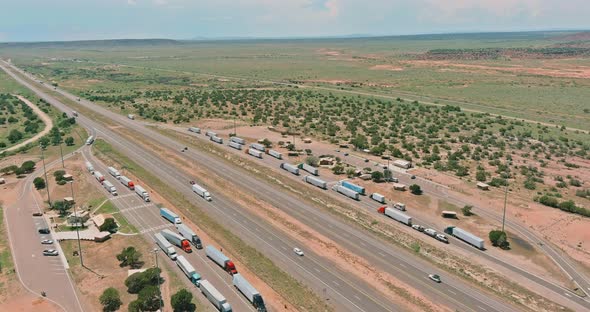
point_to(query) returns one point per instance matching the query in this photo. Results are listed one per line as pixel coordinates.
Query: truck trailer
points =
(249, 292)
(254, 153)
(311, 169)
(275, 154)
(99, 177)
(90, 167)
(188, 270)
(316, 181)
(194, 129)
(165, 245)
(396, 215)
(214, 296)
(201, 191)
(170, 216)
(346, 191)
(188, 233)
(210, 133)
(237, 140)
(291, 168)
(378, 198)
(127, 182)
(114, 172)
(258, 146)
(142, 193)
(354, 187)
(465, 236)
(216, 139)
(221, 259)
(110, 187)
(177, 240)
(235, 145)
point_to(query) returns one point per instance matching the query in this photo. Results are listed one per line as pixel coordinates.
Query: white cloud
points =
(132, 2)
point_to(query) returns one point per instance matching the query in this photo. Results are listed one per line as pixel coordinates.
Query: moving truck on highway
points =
(165, 245)
(187, 233)
(214, 296)
(114, 172)
(127, 182)
(221, 259)
(345, 191)
(90, 140)
(170, 216)
(216, 139)
(99, 177)
(354, 187)
(110, 187)
(258, 146)
(254, 152)
(316, 181)
(249, 292)
(194, 129)
(237, 140)
(291, 168)
(142, 193)
(177, 240)
(90, 167)
(465, 236)
(311, 169)
(235, 145)
(396, 215)
(188, 270)
(378, 198)
(201, 191)
(210, 133)
(275, 154)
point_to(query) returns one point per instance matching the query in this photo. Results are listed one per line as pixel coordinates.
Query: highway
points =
(344, 291)
(38, 273)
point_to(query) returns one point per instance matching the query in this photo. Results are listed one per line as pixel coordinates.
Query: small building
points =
(69, 200)
(399, 187)
(68, 177)
(483, 186)
(131, 272)
(307, 140)
(327, 161)
(402, 163)
(98, 220)
(78, 218)
(365, 177)
(2, 181)
(449, 214)
(102, 236)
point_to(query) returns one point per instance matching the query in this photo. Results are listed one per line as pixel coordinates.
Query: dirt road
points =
(44, 117)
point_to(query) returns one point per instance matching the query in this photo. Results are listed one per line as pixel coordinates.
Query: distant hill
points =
(579, 36)
(94, 43)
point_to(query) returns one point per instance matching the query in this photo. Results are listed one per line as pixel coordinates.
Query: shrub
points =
(415, 189)
(110, 300)
(39, 183)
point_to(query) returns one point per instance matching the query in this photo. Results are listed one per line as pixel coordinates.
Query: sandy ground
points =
(46, 119)
(386, 67)
(26, 302)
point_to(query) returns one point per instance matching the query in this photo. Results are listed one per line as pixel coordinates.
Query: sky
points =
(64, 20)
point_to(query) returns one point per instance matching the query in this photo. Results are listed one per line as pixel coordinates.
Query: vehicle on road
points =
(345, 154)
(434, 277)
(90, 140)
(188, 270)
(311, 169)
(189, 234)
(275, 154)
(378, 198)
(235, 145)
(99, 176)
(50, 252)
(170, 216)
(465, 236)
(221, 259)
(316, 181)
(177, 240)
(249, 292)
(237, 140)
(396, 215)
(418, 227)
(346, 191)
(430, 232)
(37, 214)
(43, 231)
(357, 188)
(114, 172)
(201, 191)
(165, 245)
(194, 129)
(47, 242)
(127, 182)
(291, 168)
(142, 193)
(413, 177)
(214, 296)
(253, 152)
(442, 238)
(400, 206)
(90, 167)
(110, 188)
(298, 251)
(394, 180)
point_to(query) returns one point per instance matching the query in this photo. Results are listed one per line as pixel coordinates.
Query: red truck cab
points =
(230, 267)
(186, 246)
(381, 209)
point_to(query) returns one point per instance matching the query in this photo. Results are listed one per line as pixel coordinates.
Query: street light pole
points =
(45, 172)
(77, 218)
(62, 155)
(159, 282)
(505, 200)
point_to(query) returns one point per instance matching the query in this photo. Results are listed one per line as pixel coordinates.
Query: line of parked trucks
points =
(128, 183)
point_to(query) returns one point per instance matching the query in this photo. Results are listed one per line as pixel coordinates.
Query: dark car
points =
(37, 214)
(44, 231)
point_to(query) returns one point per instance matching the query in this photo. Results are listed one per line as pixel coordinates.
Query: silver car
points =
(47, 242)
(50, 252)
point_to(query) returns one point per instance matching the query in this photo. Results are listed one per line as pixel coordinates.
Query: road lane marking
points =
(482, 308)
(402, 265)
(317, 270)
(452, 292)
(285, 248)
(357, 297)
(336, 283)
(567, 294)
(382, 254)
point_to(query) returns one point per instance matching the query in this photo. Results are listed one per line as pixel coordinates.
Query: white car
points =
(298, 251)
(47, 242)
(418, 227)
(442, 238)
(434, 277)
(50, 252)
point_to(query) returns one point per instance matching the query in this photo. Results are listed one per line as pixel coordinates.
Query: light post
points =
(505, 201)
(159, 282)
(235, 132)
(45, 172)
(77, 218)
(62, 155)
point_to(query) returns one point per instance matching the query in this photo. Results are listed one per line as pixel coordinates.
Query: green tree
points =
(181, 301)
(39, 183)
(28, 166)
(377, 176)
(134, 306)
(110, 300)
(312, 161)
(44, 141)
(467, 210)
(70, 141)
(499, 239)
(149, 297)
(415, 189)
(350, 172)
(129, 257)
(267, 143)
(291, 147)
(338, 169)
(109, 225)
(15, 136)
(55, 136)
(62, 206)
(360, 141)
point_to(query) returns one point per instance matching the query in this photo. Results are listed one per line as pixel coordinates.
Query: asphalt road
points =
(344, 291)
(36, 272)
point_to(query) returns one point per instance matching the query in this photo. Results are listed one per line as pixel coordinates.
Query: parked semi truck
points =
(165, 245)
(99, 177)
(194, 129)
(142, 193)
(90, 167)
(214, 296)
(170, 216)
(249, 292)
(127, 182)
(188, 270)
(378, 198)
(177, 240)
(316, 181)
(258, 146)
(465, 236)
(210, 133)
(114, 172)
(90, 140)
(396, 215)
(235, 145)
(354, 187)
(311, 169)
(254, 152)
(346, 192)
(237, 140)
(216, 139)
(110, 187)
(201, 191)
(188, 233)
(221, 259)
(291, 168)
(275, 154)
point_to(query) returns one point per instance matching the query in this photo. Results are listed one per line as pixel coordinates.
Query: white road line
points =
(402, 265)
(336, 283)
(357, 297)
(452, 292)
(317, 270)
(382, 254)
(482, 308)
(567, 294)
(285, 248)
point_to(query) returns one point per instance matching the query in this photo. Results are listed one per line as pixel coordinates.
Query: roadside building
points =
(402, 163)
(483, 186)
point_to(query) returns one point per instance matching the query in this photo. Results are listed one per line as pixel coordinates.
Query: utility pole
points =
(505, 200)
(62, 155)
(77, 218)
(159, 282)
(235, 132)
(45, 172)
